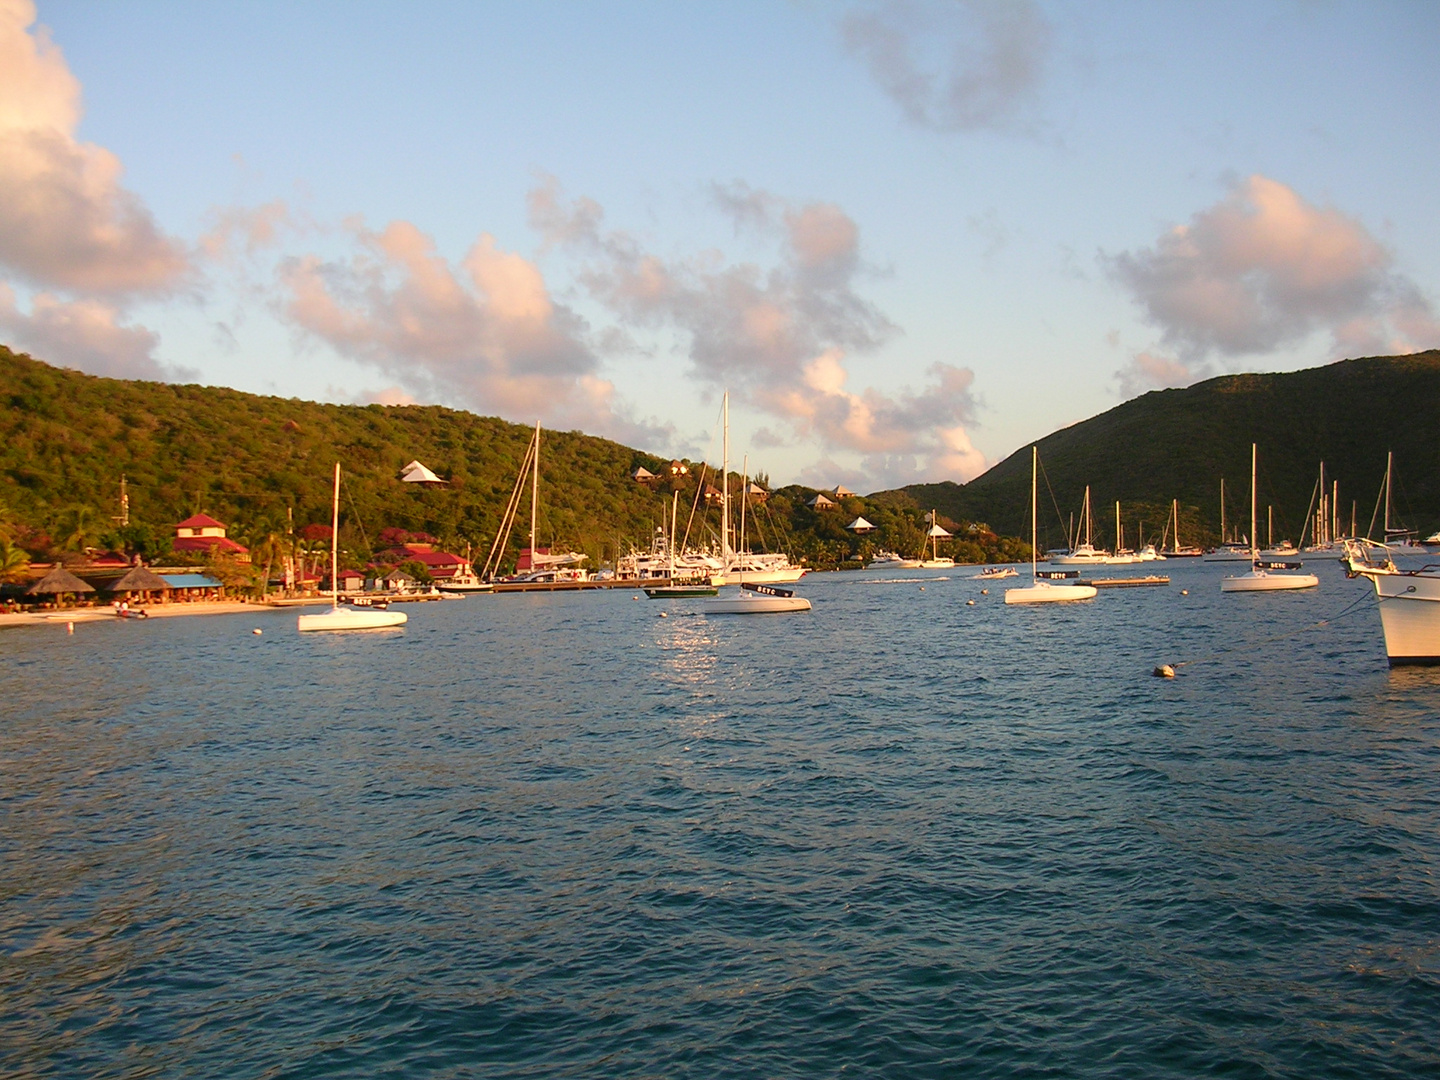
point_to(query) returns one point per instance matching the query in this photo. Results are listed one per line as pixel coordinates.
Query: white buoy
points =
(664, 614)
(969, 603)
(256, 631)
(70, 628)
(1164, 671)
(1184, 592)
(922, 588)
(984, 592)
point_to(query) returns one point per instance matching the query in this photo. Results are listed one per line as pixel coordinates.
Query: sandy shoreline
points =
(155, 611)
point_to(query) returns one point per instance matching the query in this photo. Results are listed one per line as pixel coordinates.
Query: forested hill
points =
(263, 465)
(1178, 444)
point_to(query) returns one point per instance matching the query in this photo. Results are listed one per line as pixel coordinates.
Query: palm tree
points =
(77, 525)
(14, 562)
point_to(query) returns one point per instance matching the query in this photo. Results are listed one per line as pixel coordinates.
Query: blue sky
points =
(909, 237)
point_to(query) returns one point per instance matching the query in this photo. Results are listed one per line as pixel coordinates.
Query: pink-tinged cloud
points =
(1152, 371)
(953, 66)
(87, 335)
(778, 336)
(485, 335)
(65, 220)
(1263, 269)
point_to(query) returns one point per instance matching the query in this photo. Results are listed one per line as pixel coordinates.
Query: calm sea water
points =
(560, 836)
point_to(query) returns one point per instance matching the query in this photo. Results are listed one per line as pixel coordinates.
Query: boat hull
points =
(1260, 581)
(1041, 593)
(756, 604)
(786, 576)
(1410, 617)
(343, 619)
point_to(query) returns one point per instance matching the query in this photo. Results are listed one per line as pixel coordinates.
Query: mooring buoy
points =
(1164, 671)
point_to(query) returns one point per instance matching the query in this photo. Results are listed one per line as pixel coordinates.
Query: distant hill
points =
(1178, 444)
(263, 465)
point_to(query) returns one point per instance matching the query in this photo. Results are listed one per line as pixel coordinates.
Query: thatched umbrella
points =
(139, 579)
(57, 582)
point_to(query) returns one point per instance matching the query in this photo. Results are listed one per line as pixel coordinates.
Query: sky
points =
(907, 237)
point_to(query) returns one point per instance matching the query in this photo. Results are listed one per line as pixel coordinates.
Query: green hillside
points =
(1178, 444)
(263, 465)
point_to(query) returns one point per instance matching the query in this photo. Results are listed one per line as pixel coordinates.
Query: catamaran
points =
(345, 618)
(1041, 590)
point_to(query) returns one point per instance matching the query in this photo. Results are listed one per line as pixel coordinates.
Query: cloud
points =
(486, 334)
(964, 66)
(246, 228)
(390, 395)
(1262, 269)
(778, 336)
(86, 335)
(1151, 371)
(65, 221)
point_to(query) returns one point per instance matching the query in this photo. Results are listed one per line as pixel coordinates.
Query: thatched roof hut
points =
(58, 581)
(139, 579)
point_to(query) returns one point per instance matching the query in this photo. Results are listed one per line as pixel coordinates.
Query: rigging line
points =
(1350, 608)
(1053, 501)
(1308, 511)
(699, 488)
(1378, 499)
(356, 512)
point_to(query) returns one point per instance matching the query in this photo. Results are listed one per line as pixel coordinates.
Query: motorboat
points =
(994, 573)
(889, 560)
(757, 600)
(1408, 602)
(345, 618)
(1044, 588)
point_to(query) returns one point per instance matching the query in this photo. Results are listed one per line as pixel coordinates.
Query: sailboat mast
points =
(1034, 528)
(1254, 521)
(744, 498)
(335, 543)
(1223, 538)
(535, 496)
(725, 483)
(1119, 536)
(1335, 509)
(674, 528)
(1175, 509)
(1322, 534)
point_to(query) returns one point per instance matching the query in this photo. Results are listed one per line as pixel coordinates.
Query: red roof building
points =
(441, 565)
(204, 534)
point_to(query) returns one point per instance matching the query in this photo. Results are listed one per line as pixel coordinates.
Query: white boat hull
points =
(749, 603)
(1043, 593)
(1410, 616)
(1260, 581)
(1079, 560)
(936, 564)
(351, 619)
(765, 577)
(1228, 555)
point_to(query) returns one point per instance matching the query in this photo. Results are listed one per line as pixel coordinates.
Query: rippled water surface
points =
(560, 836)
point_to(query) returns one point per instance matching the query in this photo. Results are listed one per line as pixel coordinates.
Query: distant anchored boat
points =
(345, 618)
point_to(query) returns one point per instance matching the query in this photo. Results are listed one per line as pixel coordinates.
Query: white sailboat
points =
(1260, 578)
(345, 618)
(1122, 556)
(935, 561)
(545, 568)
(1081, 554)
(755, 597)
(1227, 551)
(1042, 591)
(1176, 551)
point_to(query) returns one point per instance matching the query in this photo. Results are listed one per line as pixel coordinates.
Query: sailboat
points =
(1082, 554)
(1227, 551)
(1041, 591)
(1259, 579)
(756, 597)
(935, 562)
(544, 567)
(1176, 551)
(345, 618)
(672, 588)
(1122, 556)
